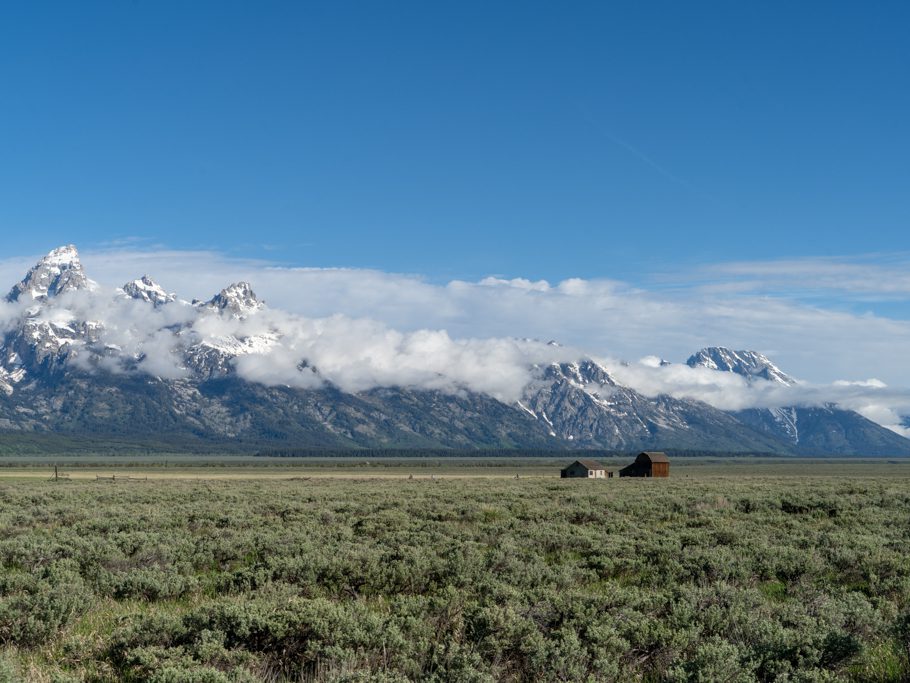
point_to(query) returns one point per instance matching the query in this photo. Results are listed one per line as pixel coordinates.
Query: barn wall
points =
(575, 471)
(643, 467)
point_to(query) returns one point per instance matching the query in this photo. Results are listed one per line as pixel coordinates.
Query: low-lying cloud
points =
(871, 398)
(275, 347)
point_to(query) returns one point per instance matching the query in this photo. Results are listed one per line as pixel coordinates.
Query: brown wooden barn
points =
(648, 464)
(585, 469)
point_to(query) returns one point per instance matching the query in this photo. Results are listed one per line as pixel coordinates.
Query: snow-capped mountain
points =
(238, 300)
(46, 335)
(140, 363)
(808, 430)
(749, 364)
(58, 272)
(49, 336)
(580, 402)
(146, 289)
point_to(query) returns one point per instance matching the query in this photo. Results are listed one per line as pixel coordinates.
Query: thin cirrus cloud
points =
(370, 327)
(874, 277)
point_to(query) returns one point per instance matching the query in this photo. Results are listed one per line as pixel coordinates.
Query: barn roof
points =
(590, 464)
(655, 456)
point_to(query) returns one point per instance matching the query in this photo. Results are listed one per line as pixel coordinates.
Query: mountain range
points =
(69, 369)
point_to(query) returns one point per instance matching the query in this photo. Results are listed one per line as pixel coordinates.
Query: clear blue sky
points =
(462, 139)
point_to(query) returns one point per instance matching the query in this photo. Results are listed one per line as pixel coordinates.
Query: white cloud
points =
(354, 354)
(871, 383)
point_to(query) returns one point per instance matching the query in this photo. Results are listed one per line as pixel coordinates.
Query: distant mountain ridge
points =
(749, 364)
(146, 289)
(808, 430)
(70, 374)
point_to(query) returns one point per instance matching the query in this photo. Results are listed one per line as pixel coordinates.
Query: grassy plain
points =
(258, 467)
(252, 570)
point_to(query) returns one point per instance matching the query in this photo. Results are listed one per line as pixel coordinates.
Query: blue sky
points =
(461, 140)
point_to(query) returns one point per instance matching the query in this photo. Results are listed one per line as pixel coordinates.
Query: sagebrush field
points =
(690, 579)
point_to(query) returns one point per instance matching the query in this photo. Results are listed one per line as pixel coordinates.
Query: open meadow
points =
(744, 570)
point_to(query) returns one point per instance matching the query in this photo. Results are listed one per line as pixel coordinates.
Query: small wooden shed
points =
(648, 464)
(584, 469)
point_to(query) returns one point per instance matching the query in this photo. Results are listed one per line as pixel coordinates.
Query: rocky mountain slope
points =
(824, 430)
(807, 430)
(582, 404)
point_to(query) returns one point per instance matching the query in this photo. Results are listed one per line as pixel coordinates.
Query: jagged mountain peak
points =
(749, 364)
(238, 299)
(60, 271)
(65, 255)
(146, 289)
(583, 372)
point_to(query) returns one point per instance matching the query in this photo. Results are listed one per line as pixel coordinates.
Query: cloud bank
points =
(275, 347)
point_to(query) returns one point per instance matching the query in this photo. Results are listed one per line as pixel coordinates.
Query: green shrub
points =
(705, 579)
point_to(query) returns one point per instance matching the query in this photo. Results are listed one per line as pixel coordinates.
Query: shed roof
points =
(590, 464)
(655, 456)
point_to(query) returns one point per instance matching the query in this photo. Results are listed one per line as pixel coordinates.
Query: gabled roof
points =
(655, 456)
(590, 464)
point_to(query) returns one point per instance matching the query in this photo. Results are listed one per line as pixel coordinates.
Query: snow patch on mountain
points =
(216, 356)
(788, 420)
(146, 289)
(11, 372)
